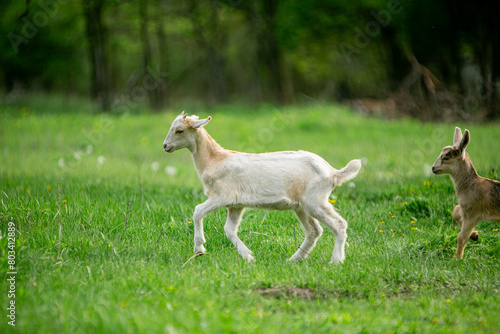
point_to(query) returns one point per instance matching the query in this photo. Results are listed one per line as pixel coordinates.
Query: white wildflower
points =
(170, 170)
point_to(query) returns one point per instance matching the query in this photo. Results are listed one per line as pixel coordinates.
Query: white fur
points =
(298, 180)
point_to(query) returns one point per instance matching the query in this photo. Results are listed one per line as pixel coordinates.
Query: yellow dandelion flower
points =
(381, 231)
(49, 188)
(382, 295)
(404, 203)
(435, 320)
(123, 303)
(382, 222)
(332, 201)
(427, 183)
(448, 300)
(495, 230)
(190, 222)
(414, 228)
(28, 191)
(412, 222)
(393, 229)
(393, 217)
(186, 196)
(64, 201)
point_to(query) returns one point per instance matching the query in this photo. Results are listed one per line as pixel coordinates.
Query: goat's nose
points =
(164, 146)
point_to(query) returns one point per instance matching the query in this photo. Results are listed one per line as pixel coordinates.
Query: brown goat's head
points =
(446, 163)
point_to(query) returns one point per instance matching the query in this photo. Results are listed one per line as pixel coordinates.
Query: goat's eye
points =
(178, 132)
(446, 158)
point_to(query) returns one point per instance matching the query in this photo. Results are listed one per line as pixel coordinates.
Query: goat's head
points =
(446, 163)
(182, 132)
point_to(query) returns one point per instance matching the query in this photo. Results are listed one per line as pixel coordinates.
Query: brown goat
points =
(478, 197)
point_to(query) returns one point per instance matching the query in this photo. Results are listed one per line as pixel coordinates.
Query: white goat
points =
(299, 181)
(478, 197)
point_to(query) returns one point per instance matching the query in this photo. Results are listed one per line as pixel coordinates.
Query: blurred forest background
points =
(431, 60)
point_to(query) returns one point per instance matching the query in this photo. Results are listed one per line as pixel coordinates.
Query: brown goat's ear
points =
(464, 142)
(457, 137)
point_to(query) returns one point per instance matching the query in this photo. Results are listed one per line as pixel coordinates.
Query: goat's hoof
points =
(335, 261)
(250, 258)
(295, 259)
(474, 236)
(200, 250)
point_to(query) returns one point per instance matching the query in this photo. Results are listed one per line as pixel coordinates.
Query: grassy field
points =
(104, 229)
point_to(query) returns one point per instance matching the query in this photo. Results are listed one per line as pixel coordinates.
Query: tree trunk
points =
(97, 39)
(211, 39)
(216, 58)
(270, 57)
(151, 81)
(397, 61)
(492, 111)
(254, 83)
(163, 66)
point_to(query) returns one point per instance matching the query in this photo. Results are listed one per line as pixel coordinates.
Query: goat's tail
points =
(347, 173)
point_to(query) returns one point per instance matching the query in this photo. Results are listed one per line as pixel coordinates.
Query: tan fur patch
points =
(296, 189)
(209, 153)
(188, 122)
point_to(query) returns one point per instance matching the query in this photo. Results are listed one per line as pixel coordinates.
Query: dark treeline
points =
(429, 59)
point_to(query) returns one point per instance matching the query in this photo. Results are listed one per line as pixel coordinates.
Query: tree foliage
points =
(164, 51)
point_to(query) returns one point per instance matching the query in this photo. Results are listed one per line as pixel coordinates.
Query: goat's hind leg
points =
(326, 214)
(458, 216)
(231, 228)
(312, 231)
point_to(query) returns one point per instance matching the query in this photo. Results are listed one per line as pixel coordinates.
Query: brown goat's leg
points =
(461, 242)
(458, 216)
(463, 237)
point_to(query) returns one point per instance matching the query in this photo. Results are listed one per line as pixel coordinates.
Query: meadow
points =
(104, 233)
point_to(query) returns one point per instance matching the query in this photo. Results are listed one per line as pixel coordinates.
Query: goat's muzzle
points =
(168, 149)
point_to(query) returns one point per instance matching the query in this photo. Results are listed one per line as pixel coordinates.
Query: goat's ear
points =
(201, 122)
(457, 137)
(183, 115)
(464, 142)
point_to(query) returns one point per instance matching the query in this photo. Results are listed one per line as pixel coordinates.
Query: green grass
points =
(126, 228)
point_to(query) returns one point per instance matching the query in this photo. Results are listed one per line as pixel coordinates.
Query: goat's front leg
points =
(459, 218)
(200, 211)
(467, 228)
(231, 228)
